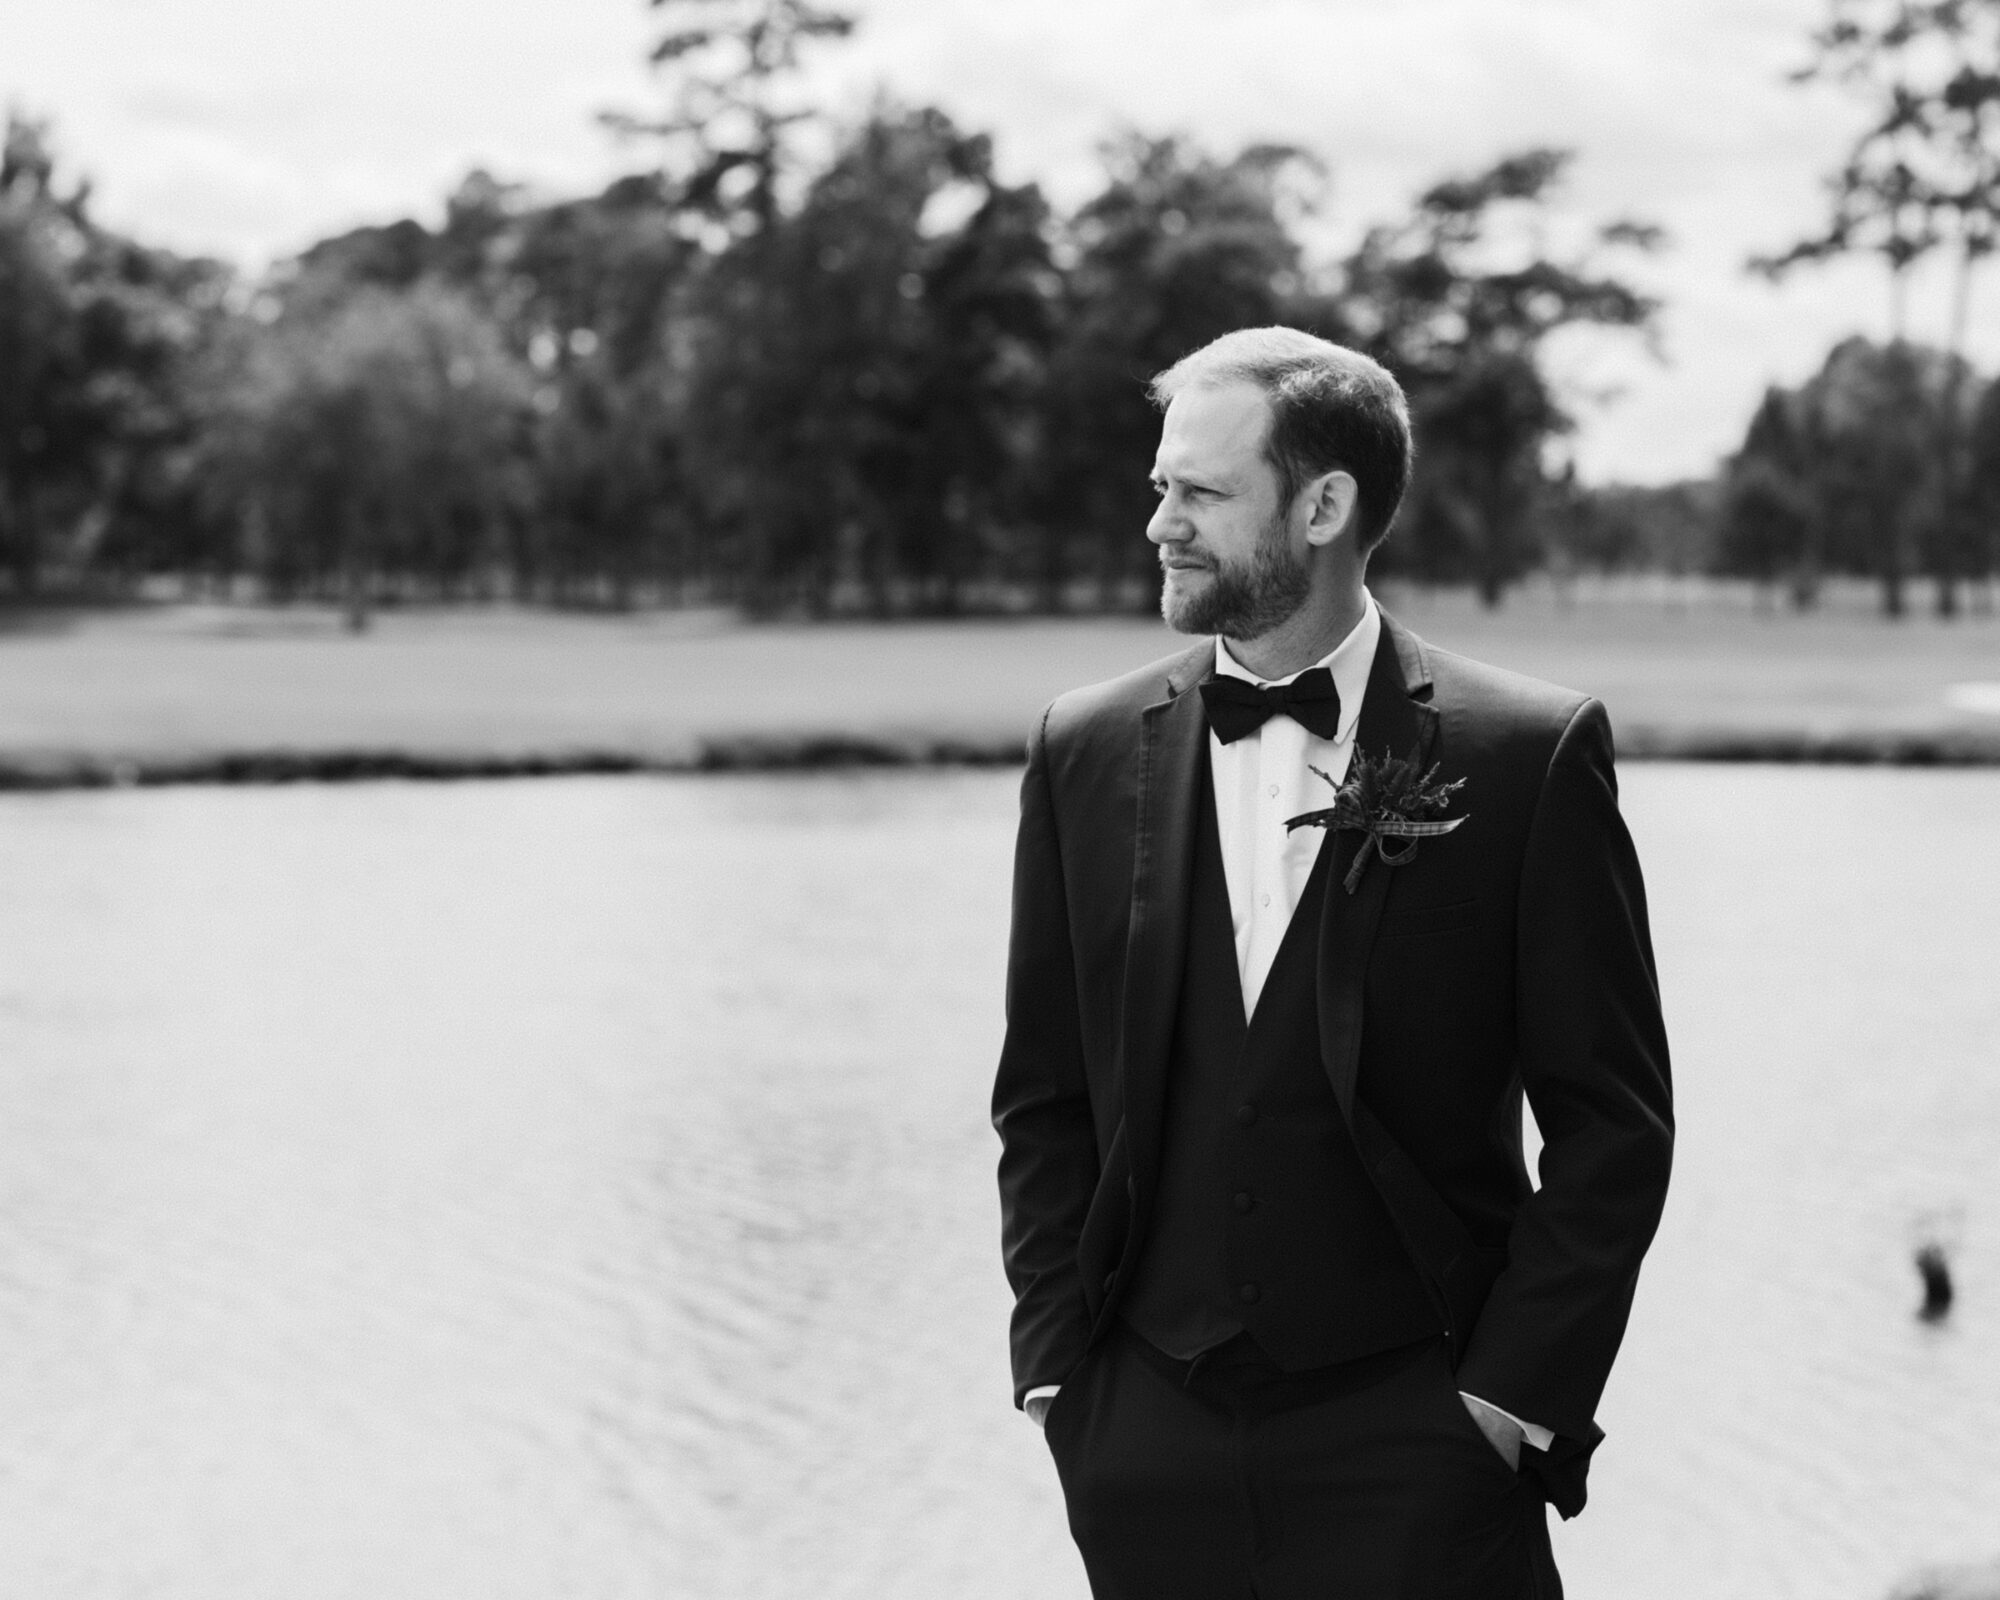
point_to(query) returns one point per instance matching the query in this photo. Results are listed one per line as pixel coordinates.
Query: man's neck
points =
(1309, 636)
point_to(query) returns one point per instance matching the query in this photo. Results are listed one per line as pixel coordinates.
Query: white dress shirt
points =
(1260, 780)
(1265, 777)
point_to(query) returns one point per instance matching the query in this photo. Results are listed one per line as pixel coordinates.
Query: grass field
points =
(216, 692)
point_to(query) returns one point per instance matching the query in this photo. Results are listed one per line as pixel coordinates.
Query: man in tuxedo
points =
(1293, 1315)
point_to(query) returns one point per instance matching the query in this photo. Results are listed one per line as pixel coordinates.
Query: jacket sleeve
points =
(1041, 1103)
(1592, 1052)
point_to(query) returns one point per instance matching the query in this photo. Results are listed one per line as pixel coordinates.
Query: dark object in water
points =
(1935, 1270)
(1952, 1583)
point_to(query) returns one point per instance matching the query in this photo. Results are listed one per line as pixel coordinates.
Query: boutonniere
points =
(1385, 798)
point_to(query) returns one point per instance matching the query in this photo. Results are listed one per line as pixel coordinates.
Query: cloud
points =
(250, 127)
(1678, 112)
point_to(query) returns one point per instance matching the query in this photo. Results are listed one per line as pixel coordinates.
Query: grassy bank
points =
(266, 694)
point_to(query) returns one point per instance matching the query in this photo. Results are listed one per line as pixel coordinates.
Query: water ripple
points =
(584, 1189)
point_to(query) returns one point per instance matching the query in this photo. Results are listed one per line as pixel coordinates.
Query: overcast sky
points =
(248, 128)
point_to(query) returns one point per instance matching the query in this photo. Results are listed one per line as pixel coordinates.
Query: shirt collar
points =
(1350, 662)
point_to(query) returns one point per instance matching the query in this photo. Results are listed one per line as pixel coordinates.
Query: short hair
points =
(1332, 408)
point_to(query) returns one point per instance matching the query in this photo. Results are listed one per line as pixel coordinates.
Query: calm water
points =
(583, 1189)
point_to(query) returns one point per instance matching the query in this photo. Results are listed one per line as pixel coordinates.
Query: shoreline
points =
(256, 695)
(835, 752)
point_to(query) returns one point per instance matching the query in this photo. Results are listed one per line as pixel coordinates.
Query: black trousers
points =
(1225, 1479)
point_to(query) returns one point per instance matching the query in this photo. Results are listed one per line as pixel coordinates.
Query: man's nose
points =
(1166, 525)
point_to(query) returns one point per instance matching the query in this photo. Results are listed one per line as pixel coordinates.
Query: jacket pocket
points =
(1068, 1396)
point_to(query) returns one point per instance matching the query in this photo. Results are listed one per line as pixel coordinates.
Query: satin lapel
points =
(1396, 716)
(1173, 737)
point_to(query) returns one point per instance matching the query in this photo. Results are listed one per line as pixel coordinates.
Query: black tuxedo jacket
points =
(1510, 955)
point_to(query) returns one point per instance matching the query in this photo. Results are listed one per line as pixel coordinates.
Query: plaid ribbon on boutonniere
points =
(1385, 798)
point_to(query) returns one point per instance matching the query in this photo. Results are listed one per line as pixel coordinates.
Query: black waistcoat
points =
(1264, 1221)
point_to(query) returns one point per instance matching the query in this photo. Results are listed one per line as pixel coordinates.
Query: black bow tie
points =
(1237, 706)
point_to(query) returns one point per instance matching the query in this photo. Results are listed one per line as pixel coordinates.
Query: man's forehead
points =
(1218, 426)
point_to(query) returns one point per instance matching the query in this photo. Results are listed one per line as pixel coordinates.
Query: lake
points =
(583, 1189)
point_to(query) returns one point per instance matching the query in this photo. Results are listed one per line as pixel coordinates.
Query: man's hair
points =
(1332, 408)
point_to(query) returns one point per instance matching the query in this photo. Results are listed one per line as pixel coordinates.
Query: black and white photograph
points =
(1088, 800)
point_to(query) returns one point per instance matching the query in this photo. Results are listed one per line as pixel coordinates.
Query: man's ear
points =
(1334, 497)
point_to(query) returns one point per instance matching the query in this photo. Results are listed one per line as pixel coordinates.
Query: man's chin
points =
(1182, 596)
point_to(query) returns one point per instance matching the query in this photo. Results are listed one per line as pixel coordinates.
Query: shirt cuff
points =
(1046, 1391)
(1541, 1438)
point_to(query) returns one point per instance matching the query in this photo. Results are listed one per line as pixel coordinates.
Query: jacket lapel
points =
(1173, 739)
(1397, 717)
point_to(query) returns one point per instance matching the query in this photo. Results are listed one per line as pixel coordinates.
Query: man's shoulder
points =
(1111, 709)
(1502, 712)
(1479, 688)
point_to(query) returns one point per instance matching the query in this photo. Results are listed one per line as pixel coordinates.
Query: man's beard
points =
(1246, 601)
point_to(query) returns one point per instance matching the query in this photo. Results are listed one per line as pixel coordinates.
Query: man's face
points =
(1232, 565)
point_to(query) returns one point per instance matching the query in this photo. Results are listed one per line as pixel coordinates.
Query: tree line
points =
(805, 366)
(1842, 475)
(1887, 462)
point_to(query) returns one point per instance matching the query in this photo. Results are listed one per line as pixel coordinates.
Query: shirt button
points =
(1273, 791)
(1263, 900)
(1246, 1114)
(1247, 1294)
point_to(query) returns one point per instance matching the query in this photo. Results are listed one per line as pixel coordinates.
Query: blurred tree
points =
(1914, 395)
(99, 339)
(1924, 173)
(589, 292)
(954, 468)
(582, 293)
(374, 438)
(601, 269)
(47, 430)
(1459, 300)
(729, 131)
(571, 279)
(391, 255)
(863, 370)
(1668, 528)
(1878, 205)
(153, 322)
(1983, 481)
(1842, 475)
(1872, 416)
(1482, 423)
(1176, 249)
(614, 505)
(1771, 529)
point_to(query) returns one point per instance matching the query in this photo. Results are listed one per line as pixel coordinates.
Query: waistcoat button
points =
(1243, 1200)
(1247, 1294)
(1246, 1114)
